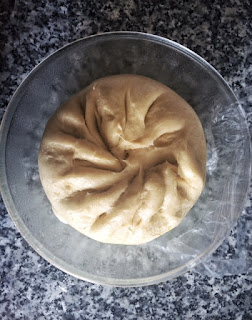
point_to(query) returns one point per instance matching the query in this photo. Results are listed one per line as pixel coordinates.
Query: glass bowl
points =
(228, 165)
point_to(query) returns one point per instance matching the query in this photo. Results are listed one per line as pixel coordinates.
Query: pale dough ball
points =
(124, 160)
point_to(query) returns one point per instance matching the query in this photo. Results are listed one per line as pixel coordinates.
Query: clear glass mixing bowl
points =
(228, 166)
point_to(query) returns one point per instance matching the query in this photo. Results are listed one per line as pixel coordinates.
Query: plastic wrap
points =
(233, 256)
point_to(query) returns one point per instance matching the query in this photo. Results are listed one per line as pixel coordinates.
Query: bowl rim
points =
(6, 193)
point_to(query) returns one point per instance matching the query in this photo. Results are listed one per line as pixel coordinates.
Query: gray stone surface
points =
(219, 31)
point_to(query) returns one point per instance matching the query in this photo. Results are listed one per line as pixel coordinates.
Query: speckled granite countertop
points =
(30, 287)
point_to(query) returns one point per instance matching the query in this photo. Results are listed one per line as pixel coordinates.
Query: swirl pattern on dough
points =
(124, 160)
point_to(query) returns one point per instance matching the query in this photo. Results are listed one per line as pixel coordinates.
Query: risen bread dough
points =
(124, 160)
